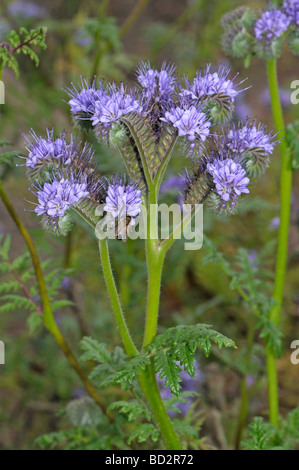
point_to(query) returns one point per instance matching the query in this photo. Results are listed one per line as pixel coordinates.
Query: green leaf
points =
(169, 370)
(144, 432)
(133, 409)
(184, 429)
(271, 334)
(94, 351)
(5, 248)
(34, 321)
(260, 435)
(132, 368)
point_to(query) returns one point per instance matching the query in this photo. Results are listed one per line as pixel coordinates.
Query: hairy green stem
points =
(149, 387)
(155, 260)
(129, 345)
(283, 237)
(48, 317)
(147, 379)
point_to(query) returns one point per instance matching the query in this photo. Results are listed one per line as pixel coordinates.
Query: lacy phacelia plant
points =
(247, 33)
(145, 124)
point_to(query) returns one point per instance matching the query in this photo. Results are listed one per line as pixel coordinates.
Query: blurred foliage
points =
(40, 394)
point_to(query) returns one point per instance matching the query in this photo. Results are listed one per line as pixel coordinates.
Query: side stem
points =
(283, 237)
(129, 345)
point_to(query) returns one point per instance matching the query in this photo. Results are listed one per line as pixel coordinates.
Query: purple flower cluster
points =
(157, 86)
(112, 106)
(229, 178)
(102, 106)
(189, 122)
(272, 24)
(83, 99)
(123, 200)
(208, 84)
(41, 150)
(159, 98)
(250, 137)
(55, 198)
(291, 9)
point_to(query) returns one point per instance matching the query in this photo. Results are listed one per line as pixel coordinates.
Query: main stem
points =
(155, 259)
(283, 237)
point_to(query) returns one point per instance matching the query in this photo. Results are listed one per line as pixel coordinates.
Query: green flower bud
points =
(117, 135)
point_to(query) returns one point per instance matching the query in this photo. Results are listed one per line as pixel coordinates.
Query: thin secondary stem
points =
(283, 237)
(48, 317)
(245, 394)
(134, 15)
(176, 233)
(129, 345)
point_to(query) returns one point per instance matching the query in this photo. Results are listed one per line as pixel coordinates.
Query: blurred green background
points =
(92, 37)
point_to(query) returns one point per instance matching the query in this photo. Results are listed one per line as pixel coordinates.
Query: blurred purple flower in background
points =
(173, 182)
(291, 8)
(25, 10)
(274, 223)
(253, 256)
(82, 38)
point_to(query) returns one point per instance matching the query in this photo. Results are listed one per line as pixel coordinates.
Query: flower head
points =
(291, 9)
(56, 151)
(229, 178)
(156, 85)
(116, 103)
(250, 137)
(251, 143)
(123, 199)
(189, 122)
(272, 24)
(84, 98)
(56, 197)
(207, 84)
